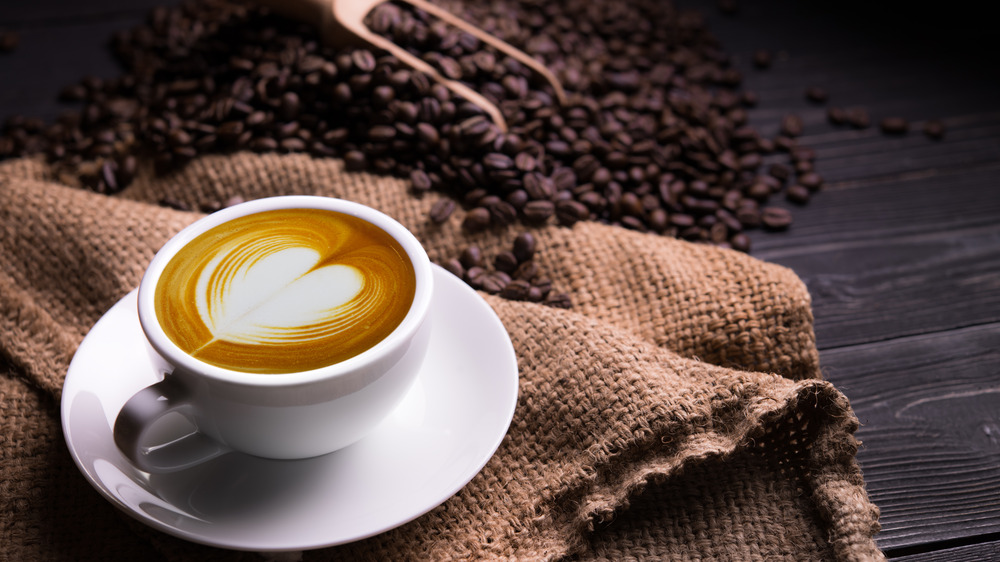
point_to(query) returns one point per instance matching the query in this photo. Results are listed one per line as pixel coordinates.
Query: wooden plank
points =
(863, 212)
(886, 288)
(930, 412)
(967, 553)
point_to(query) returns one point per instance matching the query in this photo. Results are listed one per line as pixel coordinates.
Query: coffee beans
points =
(775, 218)
(655, 140)
(934, 129)
(651, 138)
(894, 125)
(514, 273)
(8, 41)
(816, 94)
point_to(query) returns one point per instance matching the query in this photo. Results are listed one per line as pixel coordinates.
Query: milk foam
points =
(278, 296)
(285, 291)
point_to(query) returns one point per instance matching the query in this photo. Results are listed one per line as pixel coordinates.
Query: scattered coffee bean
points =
(355, 160)
(476, 220)
(816, 94)
(811, 181)
(791, 125)
(506, 262)
(775, 218)
(798, 194)
(894, 125)
(836, 115)
(471, 257)
(762, 58)
(454, 267)
(538, 211)
(524, 247)
(934, 129)
(442, 210)
(8, 41)
(858, 118)
(421, 183)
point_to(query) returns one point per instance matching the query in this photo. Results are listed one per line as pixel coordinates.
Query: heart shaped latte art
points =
(257, 295)
(285, 291)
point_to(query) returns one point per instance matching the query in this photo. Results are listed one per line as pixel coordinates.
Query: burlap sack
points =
(677, 411)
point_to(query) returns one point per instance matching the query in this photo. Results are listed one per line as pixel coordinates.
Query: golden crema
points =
(285, 291)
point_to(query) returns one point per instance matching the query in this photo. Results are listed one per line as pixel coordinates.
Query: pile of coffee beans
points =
(654, 136)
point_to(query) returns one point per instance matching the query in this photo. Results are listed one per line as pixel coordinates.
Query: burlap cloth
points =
(677, 411)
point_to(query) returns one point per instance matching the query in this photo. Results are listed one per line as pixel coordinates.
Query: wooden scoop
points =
(341, 23)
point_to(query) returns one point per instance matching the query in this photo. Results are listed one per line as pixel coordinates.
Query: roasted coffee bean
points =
(506, 262)
(454, 267)
(363, 60)
(442, 209)
(502, 213)
(476, 220)
(355, 160)
(516, 289)
(934, 129)
(8, 41)
(570, 212)
(292, 144)
(779, 171)
(894, 125)
(858, 118)
(816, 94)
(798, 194)
(762, 58)
(474, 276)
(527, 270)
(811, 181)
(266, 144)
(749, 216)
(740, 242)
(802, 153)
(539, 211)
(775, 218)
(791, 125)
(836, 115)
(498, 161)
(526, 162)
(175, 204)
(421, 182)
(471, 257)
(559, 300)
(524, 246)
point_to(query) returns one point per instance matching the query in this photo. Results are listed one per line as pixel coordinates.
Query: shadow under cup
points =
(294, 326)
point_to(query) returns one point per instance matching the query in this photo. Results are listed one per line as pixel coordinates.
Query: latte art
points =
(285, 291)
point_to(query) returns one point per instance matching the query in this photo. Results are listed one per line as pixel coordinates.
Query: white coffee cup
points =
(290, 415)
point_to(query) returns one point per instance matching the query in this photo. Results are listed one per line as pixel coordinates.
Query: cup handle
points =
(140, 414)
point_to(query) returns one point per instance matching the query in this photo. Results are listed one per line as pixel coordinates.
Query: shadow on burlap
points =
(677, 411)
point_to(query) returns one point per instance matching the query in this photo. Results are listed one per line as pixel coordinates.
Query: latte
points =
(285, 291)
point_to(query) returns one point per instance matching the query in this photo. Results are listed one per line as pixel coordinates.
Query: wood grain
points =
(988, 551)
(930, 412)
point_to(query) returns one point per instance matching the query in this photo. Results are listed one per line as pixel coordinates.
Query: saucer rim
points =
(504, 417)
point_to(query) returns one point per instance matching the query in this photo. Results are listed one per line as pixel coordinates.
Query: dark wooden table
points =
(900, 251)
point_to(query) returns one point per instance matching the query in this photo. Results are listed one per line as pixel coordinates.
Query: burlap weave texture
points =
(676, 411)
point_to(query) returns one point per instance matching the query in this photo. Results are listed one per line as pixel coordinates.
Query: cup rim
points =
(400, 336)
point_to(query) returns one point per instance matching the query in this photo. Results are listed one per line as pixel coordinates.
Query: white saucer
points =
(438, 439)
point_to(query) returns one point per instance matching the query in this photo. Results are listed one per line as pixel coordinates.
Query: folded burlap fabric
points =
(675, 411)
